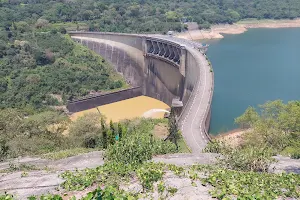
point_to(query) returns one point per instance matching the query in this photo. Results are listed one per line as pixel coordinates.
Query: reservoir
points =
(252, 68)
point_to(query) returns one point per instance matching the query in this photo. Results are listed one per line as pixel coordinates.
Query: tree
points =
(174, 135)
(87, 124)
(233, 16)
(121, 131)
(112, 128)
(22, 26)
(41, 23)
(104, 133)
(110, 137)
(248, 119)
(62, 30)
(172, 16)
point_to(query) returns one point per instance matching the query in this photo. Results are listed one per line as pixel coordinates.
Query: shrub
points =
(247, 159)
(133, 150)
(86, 131)
(214, 146)
(138, 145)
(150, 173)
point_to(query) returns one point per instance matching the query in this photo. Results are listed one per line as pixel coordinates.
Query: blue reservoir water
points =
(252, 68)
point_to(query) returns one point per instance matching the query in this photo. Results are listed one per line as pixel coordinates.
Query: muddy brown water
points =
(128, 109)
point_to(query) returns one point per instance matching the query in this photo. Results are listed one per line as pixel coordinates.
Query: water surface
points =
(252, 68)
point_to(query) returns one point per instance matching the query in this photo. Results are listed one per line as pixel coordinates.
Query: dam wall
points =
(103, 99)
(139, 69)
(164, 68)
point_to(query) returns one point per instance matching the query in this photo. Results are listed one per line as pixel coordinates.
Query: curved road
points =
(192, 123)
(198, 105)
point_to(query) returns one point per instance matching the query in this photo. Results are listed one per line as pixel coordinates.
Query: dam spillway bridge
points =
(161, 67)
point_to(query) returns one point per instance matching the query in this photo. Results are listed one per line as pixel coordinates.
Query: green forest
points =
(144, 15)
(46, 68)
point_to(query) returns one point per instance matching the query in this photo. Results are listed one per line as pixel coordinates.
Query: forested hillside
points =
(145, 15)
(39, 67)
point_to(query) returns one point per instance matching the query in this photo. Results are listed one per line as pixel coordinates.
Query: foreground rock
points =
(43, 175)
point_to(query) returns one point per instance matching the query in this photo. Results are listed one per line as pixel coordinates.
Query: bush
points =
(247, 159)
(62, 30)
(134, 150)
(86, 131)
(138, 145)
(214, 146)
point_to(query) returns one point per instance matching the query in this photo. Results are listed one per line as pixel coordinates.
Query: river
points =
(252, 68)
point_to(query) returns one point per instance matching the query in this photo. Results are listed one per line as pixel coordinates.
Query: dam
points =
(172, 70)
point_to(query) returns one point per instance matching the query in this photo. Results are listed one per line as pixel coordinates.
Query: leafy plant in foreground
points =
(150, 173)
(252, 185)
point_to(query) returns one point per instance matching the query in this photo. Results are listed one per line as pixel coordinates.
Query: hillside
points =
(42, 67)
(144, 15)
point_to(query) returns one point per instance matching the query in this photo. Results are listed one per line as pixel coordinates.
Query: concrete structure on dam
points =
(165, 68)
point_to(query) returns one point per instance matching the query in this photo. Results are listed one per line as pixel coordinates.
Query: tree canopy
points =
(144, 15)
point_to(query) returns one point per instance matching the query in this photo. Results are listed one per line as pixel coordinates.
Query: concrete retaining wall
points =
(92, 102)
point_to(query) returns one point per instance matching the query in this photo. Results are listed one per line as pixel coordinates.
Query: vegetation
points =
(227, 184)
(140, 16)
(274, 129)
(40, 69)
(138, 146)
(52, 135)
(174, 135)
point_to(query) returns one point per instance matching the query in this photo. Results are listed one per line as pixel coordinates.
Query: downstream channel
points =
(252, 68)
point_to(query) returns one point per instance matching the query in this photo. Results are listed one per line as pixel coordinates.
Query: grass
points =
(182, 147)
(66, 153)
(291, 151)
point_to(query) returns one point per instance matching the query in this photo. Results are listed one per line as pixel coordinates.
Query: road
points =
(193, 119)
(193, 122)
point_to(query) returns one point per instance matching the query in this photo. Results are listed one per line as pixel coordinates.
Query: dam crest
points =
(162, 67)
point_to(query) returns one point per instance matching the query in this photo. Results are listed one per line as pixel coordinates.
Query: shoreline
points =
(240, 27)
(233, 137)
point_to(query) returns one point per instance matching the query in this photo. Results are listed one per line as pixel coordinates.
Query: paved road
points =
(192, 124)
(194, 117)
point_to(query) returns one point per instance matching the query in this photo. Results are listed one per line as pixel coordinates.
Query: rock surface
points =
(46, 178)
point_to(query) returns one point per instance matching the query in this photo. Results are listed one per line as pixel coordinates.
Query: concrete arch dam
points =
(169, 69)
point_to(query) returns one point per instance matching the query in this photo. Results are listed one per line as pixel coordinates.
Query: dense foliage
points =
(144, 15)
(275, 125)
(230, 184)
(274, 129)
(42, 68)
(138, 145)
(52, 131)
